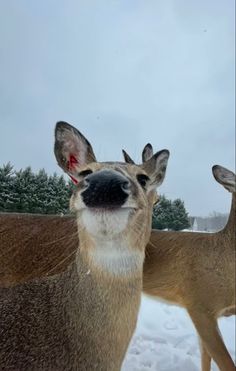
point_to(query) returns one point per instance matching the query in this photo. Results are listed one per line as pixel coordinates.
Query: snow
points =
(166, 340)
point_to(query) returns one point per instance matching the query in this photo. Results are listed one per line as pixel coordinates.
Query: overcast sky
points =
(125, 73)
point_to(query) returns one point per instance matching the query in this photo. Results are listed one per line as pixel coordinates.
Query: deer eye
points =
(143, 179)
(84, 173)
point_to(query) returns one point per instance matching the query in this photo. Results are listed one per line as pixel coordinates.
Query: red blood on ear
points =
(72, 162)
(73, 179)
(71, 165)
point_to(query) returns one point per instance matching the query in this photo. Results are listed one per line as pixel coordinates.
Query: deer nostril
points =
(86, 182)
(125, 186)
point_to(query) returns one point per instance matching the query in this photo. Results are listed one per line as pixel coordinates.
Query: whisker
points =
(61, 262)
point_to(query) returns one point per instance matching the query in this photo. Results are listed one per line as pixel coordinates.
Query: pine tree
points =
(24, 191)
(169, 214)
(6, 188)
(40, 202)
(63, 196)
(24, 187)
(58, 195)
(180, 218)
(161, 218)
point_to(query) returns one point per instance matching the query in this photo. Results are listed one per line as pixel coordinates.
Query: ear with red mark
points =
(75, 181)
(72, 149)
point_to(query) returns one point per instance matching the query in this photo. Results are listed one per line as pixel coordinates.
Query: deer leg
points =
(210, 334)
(205, 357)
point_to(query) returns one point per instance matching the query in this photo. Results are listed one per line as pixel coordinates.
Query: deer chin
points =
(106, 222)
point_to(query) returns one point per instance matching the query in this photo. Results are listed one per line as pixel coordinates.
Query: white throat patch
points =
(116, 259)
(100, 223)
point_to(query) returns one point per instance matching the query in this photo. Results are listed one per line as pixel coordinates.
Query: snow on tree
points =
(27, 192)
(169, 214)
(179, 218)
(6, 187)
(161, 218)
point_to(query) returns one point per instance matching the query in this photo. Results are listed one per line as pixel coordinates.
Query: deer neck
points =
(230, 226)
(114, 256)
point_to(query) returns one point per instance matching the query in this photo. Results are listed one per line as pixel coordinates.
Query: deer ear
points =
(72, 149)
(225, 177)
(127, 158)
(147, 152)
(155, 167)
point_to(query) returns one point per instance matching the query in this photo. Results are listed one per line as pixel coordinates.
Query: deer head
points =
(112, 200)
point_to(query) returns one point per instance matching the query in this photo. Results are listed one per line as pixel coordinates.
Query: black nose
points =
(105, 188)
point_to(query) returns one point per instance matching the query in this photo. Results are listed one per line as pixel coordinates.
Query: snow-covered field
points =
(165, 339)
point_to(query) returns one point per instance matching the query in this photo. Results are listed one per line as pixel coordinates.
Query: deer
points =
(197, 271)
(33, 246)
(166, 252)
(81, 317)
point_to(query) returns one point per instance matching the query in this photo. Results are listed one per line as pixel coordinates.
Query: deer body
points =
(81, 317)
(208, 258)
(165, 253)
(77, 320)
(197, 271)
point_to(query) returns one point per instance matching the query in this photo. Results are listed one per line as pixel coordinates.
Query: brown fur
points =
(78, 320)
(196, 271)
(38, 248)
(35, 246)
(51, 253)
(60, 309)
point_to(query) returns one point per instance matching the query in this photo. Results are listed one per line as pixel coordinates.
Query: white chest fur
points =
(116, 258)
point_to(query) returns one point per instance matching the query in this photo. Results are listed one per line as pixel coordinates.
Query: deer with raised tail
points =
(83, 317)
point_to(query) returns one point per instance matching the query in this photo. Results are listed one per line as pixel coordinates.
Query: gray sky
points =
(125, 73)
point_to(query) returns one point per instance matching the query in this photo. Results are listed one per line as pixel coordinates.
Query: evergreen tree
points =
(57, 195)
(179, 218)
(24, 191)
(169, 214)
(40, 201)
(24, 187)
(161, 217)
(63, 195)
(6, 187)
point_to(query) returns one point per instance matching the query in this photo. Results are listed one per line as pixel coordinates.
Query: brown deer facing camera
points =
(83, 317)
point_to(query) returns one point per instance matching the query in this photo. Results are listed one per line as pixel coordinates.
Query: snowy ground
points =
(165, 340)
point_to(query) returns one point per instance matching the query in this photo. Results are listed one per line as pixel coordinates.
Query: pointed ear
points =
(225, 177)
(147, 152)
(155, 167)
(127, 158)
(72, 149)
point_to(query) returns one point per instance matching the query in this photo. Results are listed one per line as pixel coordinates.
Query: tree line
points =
(24, 191)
